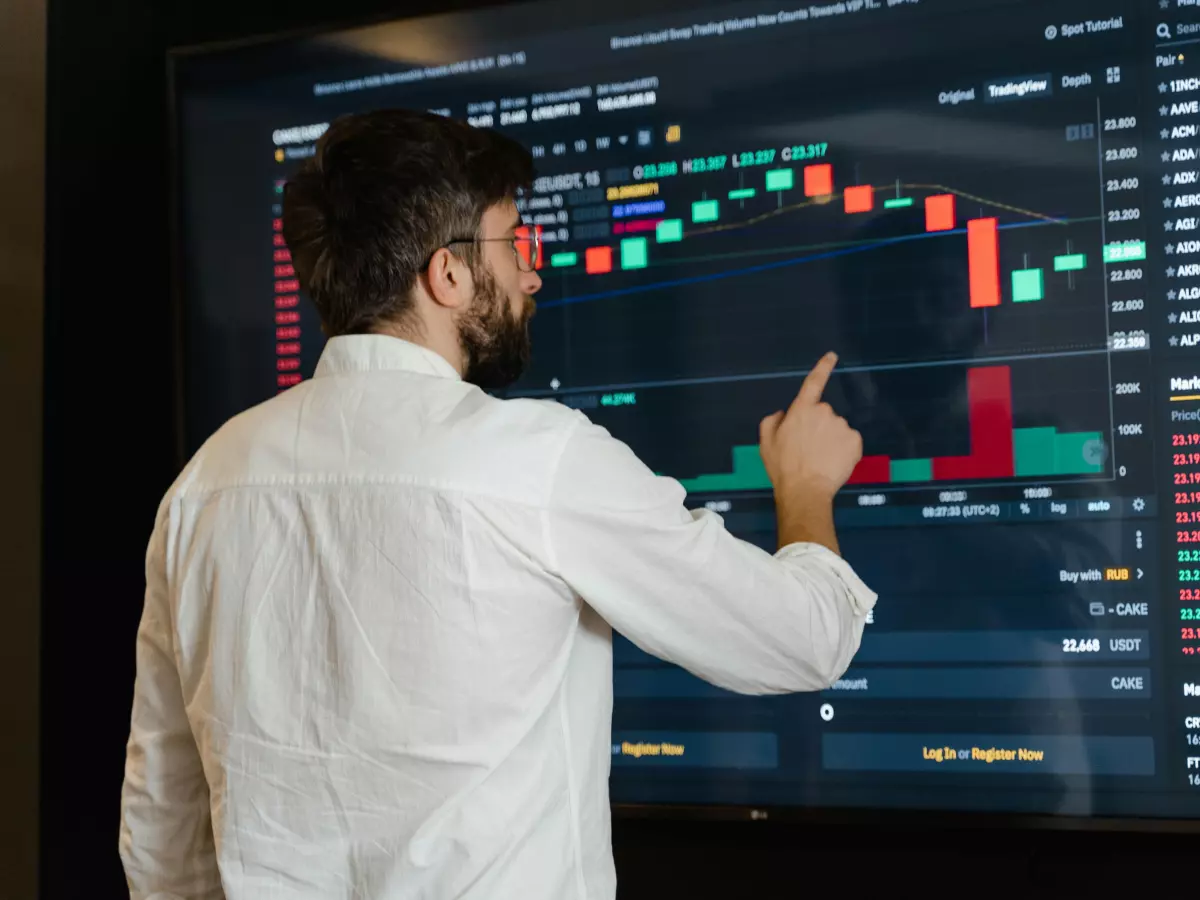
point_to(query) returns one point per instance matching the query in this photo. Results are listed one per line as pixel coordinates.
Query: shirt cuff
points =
(862, 598)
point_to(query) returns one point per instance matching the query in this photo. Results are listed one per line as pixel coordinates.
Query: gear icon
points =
(1139, 504)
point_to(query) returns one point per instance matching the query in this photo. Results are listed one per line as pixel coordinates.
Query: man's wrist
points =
(806, 517)
(804, 492)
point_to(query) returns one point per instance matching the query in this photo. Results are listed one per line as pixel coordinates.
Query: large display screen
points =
(990, 210)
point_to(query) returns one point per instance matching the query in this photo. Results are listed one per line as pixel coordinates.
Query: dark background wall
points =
(109, 456)
(22, 110)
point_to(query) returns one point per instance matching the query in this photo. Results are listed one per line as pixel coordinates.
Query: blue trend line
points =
(764, 267)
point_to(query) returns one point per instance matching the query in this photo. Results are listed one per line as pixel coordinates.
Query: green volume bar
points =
(669, 230)
(1033, 451)
(912, 470)
(897, 202)
(705, 211)
(749, 474)
(780, 180)
(1043, 451)
(633, 253)
(562, 260)
(1071, 262)
(1027, 285)
(1071, 453)
(742, 194)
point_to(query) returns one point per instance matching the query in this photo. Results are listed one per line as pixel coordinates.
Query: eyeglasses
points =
(526, 243)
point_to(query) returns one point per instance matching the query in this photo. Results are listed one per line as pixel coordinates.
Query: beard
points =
(495, 343)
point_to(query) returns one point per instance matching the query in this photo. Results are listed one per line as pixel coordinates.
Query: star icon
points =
(1173, 341)
(1162, 87)
(1164, 4)
(1165, 133)
(1166, 156)
(1170, 271)
(1166, 202)
(1168, 226)
(1173, 318)
(1163, 110)
(1170, 248)
(1170, 295)
(1166, 179)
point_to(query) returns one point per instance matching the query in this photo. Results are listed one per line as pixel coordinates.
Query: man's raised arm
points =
(679, 585)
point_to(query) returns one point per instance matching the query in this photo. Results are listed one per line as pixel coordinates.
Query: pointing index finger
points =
(815, 381)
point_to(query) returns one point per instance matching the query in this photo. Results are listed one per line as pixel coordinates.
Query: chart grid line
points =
(800, 373)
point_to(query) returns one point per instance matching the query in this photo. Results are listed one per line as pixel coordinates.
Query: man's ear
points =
(449, 280)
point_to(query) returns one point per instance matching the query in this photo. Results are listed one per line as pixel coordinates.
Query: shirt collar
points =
(379, 352)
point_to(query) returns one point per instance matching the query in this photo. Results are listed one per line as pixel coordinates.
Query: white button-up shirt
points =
(375, 659)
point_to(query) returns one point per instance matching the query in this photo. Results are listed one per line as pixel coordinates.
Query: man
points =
(375, 659)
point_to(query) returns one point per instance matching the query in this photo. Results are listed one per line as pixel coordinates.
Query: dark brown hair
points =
(384, 191)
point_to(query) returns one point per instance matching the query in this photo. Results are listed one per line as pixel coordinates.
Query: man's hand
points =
(810, 447)
(809, 452)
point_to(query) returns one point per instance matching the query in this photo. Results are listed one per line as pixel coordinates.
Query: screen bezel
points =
(884, 817)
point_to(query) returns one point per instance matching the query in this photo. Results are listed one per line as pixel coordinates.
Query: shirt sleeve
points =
(166, 839)
(681, 587)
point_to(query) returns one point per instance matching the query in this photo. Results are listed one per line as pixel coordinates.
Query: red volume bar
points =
(871, 470)
(989, 409)
(983, 261)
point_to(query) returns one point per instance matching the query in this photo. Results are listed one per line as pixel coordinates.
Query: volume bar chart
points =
(998, 450)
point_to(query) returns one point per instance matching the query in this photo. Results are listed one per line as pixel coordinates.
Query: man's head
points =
(404, 223)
